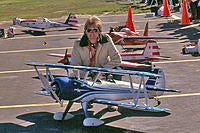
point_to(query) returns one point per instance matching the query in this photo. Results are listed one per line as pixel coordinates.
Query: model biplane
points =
(84, 89)
(44, 23)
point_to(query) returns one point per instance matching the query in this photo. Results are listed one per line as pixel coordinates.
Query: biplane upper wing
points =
(93, 69)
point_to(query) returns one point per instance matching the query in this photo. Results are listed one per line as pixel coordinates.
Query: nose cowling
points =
(68, 88)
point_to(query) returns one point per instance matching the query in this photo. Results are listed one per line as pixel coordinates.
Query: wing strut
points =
(141, 88)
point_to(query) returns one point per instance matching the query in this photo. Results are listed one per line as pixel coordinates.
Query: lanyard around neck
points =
(91, 56)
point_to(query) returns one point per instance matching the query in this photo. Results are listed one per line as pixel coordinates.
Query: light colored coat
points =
(107, 55)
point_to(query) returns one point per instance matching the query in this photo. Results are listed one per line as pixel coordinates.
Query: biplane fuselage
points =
(79, 91)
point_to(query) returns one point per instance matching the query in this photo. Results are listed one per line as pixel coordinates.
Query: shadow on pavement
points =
(193, 33)
(43, 122)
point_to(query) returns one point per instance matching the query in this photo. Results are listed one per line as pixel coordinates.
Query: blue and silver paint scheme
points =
(83, 90)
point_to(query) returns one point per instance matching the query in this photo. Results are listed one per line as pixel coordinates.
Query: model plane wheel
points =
(92, 122)
(58, 116)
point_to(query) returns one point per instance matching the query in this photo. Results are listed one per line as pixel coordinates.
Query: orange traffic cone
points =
(129, 22)
(185, 18)
(166, 11)
(146, 30)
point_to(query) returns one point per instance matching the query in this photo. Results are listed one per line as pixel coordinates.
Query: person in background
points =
(193, 9)
(198, 9)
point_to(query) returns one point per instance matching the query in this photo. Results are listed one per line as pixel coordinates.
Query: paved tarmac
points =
(23, 111)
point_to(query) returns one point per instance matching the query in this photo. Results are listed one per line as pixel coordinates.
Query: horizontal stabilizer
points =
(159, 58)
(154, 88)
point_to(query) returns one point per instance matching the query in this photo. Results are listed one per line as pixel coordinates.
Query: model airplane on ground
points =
(129, 59)
(127, 35)
(149, 53)
(192, 48)
(66, 59)
(97, 90)
(44, 23)
(124, 64)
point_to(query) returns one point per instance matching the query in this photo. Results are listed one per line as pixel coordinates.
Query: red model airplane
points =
(129, 59)
(127, 35)
(148, 54)
(66, 58)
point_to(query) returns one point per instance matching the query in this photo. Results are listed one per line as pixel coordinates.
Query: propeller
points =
(65, 60)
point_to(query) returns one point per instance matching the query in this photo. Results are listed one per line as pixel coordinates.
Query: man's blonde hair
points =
(93, 20)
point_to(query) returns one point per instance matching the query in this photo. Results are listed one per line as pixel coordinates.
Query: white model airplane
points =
(44, 23)
(193, 49)
(84, 90)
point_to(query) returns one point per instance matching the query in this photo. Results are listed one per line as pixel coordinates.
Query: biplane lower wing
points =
(131, 106)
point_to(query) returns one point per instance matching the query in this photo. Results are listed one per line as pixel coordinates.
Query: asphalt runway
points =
(21, 110)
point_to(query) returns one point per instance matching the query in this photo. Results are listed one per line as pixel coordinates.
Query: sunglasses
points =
(92, 30)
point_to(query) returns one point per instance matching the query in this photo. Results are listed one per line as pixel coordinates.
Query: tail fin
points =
(16, 21)
(146, 30)
(157, 82)
(72, 20)
(129, 22)
(151, 49)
